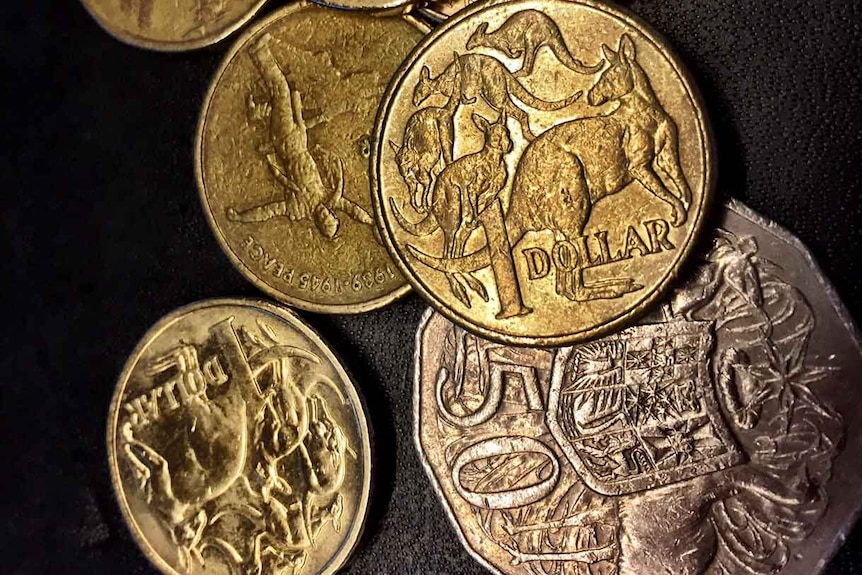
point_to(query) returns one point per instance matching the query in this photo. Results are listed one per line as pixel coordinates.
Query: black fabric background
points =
(103, 234)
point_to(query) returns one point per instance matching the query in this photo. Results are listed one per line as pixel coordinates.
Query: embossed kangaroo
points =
(427, 148)
(523, 34)
(598, 156)
(462, 191)
(570, 167)
(472, 76)
(575, 164)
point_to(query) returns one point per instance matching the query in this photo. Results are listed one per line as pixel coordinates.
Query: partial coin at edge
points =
(282, 156)
(237, 443)
(172, 26)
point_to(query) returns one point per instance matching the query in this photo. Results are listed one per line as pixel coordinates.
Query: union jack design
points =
(637, 409)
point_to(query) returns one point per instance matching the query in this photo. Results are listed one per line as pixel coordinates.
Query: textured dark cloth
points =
(103, 233)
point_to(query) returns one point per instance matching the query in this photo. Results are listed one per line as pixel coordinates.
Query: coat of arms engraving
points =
(637, 409)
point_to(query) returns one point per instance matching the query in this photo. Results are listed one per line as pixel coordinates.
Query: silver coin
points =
(719, 435)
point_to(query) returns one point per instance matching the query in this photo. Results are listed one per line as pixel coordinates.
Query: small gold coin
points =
(541, 169)
(282, 156)
(238, 444)
(172, 25)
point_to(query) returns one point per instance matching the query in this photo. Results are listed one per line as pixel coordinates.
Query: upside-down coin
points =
(720, 434)
(541, 169)
(172, 25)
(238, 444)
(282, 155)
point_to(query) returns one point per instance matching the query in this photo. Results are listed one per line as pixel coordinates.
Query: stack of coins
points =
(605, 385)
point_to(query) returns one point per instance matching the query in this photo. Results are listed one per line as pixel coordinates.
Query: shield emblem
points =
(637, 410)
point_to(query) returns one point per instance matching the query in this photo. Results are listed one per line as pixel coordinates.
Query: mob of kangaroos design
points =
(314, 187)
(571, 166)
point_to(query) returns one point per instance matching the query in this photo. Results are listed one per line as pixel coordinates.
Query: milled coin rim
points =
(685, 251)
(357, 528)
(239, 265)
(169, 46)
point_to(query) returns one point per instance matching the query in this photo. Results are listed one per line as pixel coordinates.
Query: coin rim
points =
(168, 46)
(358, 525)
(239, 265)
(692, 239)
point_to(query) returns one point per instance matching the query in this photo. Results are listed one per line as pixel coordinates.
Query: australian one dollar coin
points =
(172, 25)
(720, 434)
(283, 152)
(541, 169)
(238, 444)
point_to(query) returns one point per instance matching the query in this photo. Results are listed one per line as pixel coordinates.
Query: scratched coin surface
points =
(720, 434)
(172, 25)
(282, 156)
(541, 169)
(238, 444)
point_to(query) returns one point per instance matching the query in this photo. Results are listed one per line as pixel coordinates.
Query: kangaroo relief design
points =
(462, 192)
(570, 167)
(427, 148)
(290, 162)
(473, 76)
(522, 35)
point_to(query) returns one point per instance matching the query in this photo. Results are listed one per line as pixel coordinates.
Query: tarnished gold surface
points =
(282, 156)
(238, 444)
(172, 25)
(541, 169)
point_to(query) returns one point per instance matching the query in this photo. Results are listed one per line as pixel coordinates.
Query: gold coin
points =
(541, 169)
(172, 25)
(282, 156)
(238, 444)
